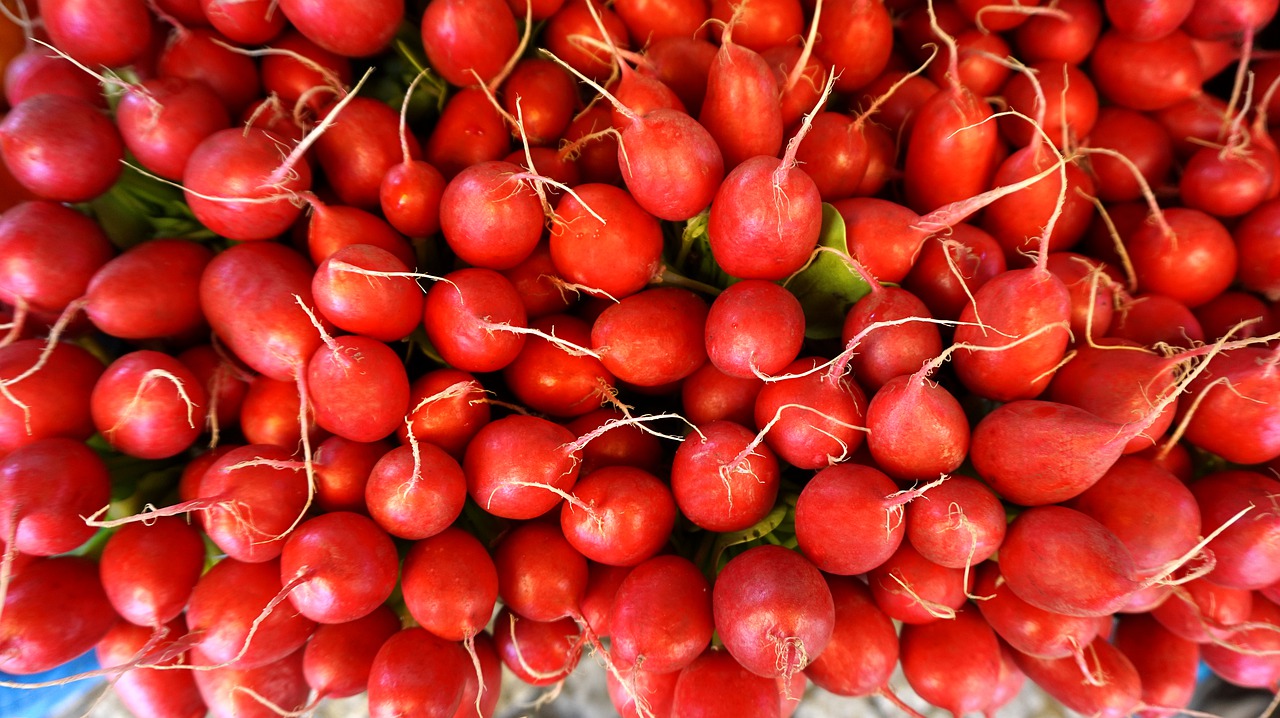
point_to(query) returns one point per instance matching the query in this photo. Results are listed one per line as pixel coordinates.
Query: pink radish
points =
(961, 525)
(910, 588)
(145, 404)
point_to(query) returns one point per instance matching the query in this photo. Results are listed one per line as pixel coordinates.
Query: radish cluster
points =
(736, 345)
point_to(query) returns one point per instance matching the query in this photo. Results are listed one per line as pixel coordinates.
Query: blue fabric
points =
(40, 702)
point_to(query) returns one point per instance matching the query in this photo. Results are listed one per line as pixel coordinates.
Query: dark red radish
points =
(811, 417)
(329, 586)
(242, 618)
(962, 523)
(1190, 258)
(247, 294)
(539, 284)
(36, 71)
(885, 351)
(1145, 75)
(1092, 291)
(910, 588)
(544, 96)
(61, 148)
(359, 148)
(1150, 319)
(881, 236)
(45, 488)
(723, 479)
(71, 25)
(252, 496)
(1220, 316)
(917, 430)
(952, 664)
(1252, 659)
(270, 414)
(473, 317)
(462, 38)
(53, 611)
(163, 120)
(773, 611)
(594, 146)
(760, 25)
(1147, 508)
(556, 379)
(717, 686)
(978, 68)
(754, 327)
(199, 54)
(416, 673)
(1229, 180)
(1137, 137)
(540, 575)
(447, 409)
(1245, 551)
(415, 491)
(863, 651)
(709, 395)
(47, 387)
(839, 499)
(146, 404)
(661, 619)
(597, 603)
(51, 255)
(605, 241)
(469, 130)
(151, 291)
(620, 515)
(450, 584)
(350, 28)
(1120, 694)
(226, 690)
(741, 108)
(1068, 35)
(855, 40)
(1028, 629)
(148, 571)
(365, 290)
(622, 443)
(342, 469)
(539, 653)
(1166, 664)
(835, 155)
(649, 22)
(150, 692)
(1192, 122)
(589, 19)
(339, 656)
(358, 388)
(518, 467)
(334, 227)
(976, 258)
(1238, 391)
(1203, 612)
(653, 337)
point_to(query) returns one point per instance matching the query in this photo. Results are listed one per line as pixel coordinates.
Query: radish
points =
(605, 241)
(661, 620)
(448, 409)
(540, 575)
(855, 41)
(462, 38)
(621, 444)
(502, 478)
(201, 54)
(1251, 659)
(1145, 75)
(1245, 551)
(545, 97)
(249, 22)
(1257, 250)
(54, 610)
(890, 351)
(358, 387)
(1030, 630)
(61, 148)
(546, 378)
(416, 673)
(1236, 391)
(38, 236)
(450, 585)
(916, 429)
(469, 130)
(380, 301)
(655, 691)
(1166, 664)
(811, 417)
(339, 656)
(709, 395)
(229, 691)
(1190, 258)
(342, 469)
(947, 271)
(910, 588)
(539, 653)
(469, 318)
(1137, 137)
(269, 415)
(723, 479)
(145, 404)
(620, 516)
(863, 651)
(330, 588)
(590, 19)
(649, 23)
(236, 612)
(150, 692)
(415, 491)
(46, 388)
(148, 572)
(45, 487)
(237, 187)
(653, 337)
(1119, 695)
(741, 109)
(34, 71)
(345, 27)
(71, 24)
(251, 498)
(1204, 612)
(163, 120)
(953, 664)
(754, 327)
(717, 686)
(961, 525)
(602, 587)
(359, 148)
(333, 228)
(126, 299)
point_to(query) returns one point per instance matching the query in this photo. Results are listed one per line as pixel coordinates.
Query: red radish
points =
(200, 54)
(654, 691)
(416, 673)
(336, 227)
(885, 352)
(150, 692)
(661, 619)
(590, 19)
(653, 337)
(863, 651)
(350, 28)
(723, 479)
(247, 294)
(773, 611)
(237, 186)
(253, 496)
(328, 587)
(1093, 295)
(47, 387)
(948, 271)
(415, 491)
(448, 408)
(1149, 319)
(1150, 75)
(35, 71)
(1245, 551)
(811, 417)
(1204, 612)
(554, 379)
(358, 387)
(342, 470)
(236, 612)
(54, 610)
(227, 690)
(1236, 391)
(836, 500)
(1251, 660)
(145, 405)
(717, 686)
(469, 130)
(1119, 695)
(61, 148)
(682, 63)
(518, 467)
(148, 571)
(625, 444)
(339, 656)
(127, 298)
(953, 664)
(51, 256)
(1017, 219)
(539, 284)
(249, 22)
(1141, 140)
(605, 241)
(1030, 630)
(269, 415)
(917, 430)
(1257, 248)
(709, 395)
(71, 24)
(1069, 36)
(910, 588)
(961, 525)
(461, 38)
(540, 575)
(490, 679)
(539, 653)
(754, 327)
(365, 289)
(620, 516)
(1166, 664)
(649, 22)
(741, 109)
(163, 120)
(359, 148)
(1221, 315)
(855, 40)
(1146, 21)
(597, 603)
(544, 96)
(450, 585)
(1191, 258)
(470, 316)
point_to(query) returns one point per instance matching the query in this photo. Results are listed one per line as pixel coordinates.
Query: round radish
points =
(661, 619)
(146, 404)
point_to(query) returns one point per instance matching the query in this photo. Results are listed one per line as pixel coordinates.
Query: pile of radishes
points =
(356, 345)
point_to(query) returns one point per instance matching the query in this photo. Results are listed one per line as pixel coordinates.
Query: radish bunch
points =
(386, 348)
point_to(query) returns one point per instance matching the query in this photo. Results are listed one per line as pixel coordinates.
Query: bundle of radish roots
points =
(362, 345)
